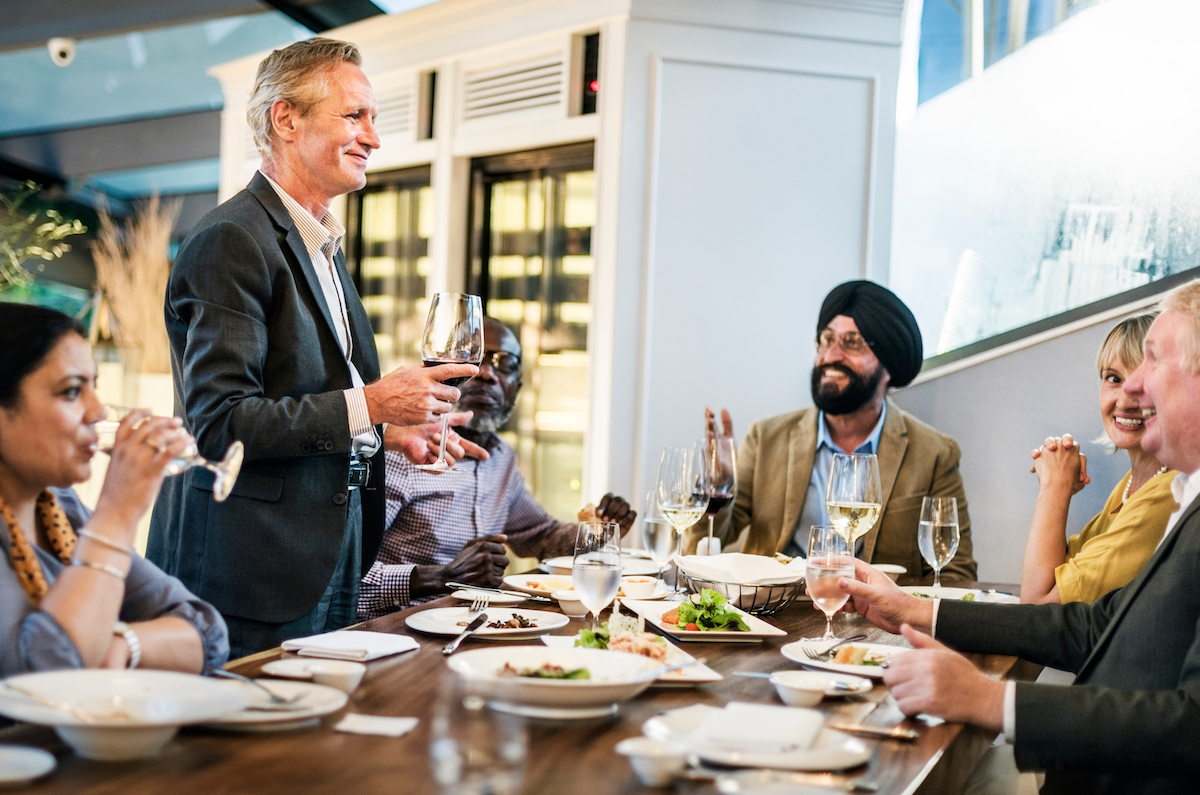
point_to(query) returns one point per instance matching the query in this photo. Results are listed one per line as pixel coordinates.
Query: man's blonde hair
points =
(297, 74)
(1184, 301)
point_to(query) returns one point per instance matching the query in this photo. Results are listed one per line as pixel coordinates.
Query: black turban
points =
(884, 321)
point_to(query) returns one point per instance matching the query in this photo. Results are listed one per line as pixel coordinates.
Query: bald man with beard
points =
(867, 343)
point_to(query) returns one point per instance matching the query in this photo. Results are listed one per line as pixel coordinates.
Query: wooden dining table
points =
(565, 756)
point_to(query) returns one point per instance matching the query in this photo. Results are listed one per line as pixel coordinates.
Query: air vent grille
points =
(515, 87)
(395, 113)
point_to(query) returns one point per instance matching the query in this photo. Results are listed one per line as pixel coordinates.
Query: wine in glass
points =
(596, 571)
(853, 496)
(721, 456)
(830, 556)
(453, 335)
(682, 490)
(225, 471)
(937, 533)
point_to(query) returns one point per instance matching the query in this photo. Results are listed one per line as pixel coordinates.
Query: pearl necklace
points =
(1128, 483)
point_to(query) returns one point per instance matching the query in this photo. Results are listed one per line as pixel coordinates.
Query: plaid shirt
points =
(431, 517)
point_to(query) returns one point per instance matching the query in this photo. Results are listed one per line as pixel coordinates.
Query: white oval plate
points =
(945, 592)
(447, 620)
(317, 700)
(795, 652)
(630, 567)
(539, 584)
(20, 765)
(290, 669)
(463, 595)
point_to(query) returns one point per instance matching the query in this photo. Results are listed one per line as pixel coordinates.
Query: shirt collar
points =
(871, 445)
(318, 235)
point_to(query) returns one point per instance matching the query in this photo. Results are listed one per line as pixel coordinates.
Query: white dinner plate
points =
(20, 764)
(692, 675)
(832, 750)
(291, 668)
(316, 700)
(450, 621)
(630, 566)
(652, 612)
(795, 652)
(538, 584)
(464, 595)
(945, 592)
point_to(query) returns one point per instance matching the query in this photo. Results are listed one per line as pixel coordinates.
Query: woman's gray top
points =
(31, 640)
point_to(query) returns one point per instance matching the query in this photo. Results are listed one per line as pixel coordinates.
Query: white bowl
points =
(135, 713)
(612, 679)
(342, 674)
(654, 761)
(800, 688)
(570, 603)
(639, 587)
(892, 570)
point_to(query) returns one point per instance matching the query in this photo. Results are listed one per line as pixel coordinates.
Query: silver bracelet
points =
(104, 567)
(131, 638)
(108, 542)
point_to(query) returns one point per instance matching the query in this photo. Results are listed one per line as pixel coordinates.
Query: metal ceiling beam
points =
(321, 15)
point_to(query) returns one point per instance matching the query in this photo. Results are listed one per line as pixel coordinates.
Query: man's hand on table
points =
(875, 597)
(419, 443)
(482, 561)
(616, 509)
(937, 681)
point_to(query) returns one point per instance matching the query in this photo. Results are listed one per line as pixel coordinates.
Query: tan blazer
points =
(915, 461)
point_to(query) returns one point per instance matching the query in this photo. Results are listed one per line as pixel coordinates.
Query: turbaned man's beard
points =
(854, 396)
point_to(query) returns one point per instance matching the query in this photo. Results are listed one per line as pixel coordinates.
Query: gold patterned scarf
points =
(53, 520)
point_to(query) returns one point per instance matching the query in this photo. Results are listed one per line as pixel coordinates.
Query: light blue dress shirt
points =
(814, 511)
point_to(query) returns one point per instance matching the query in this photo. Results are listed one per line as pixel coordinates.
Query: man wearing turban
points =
(867, 342)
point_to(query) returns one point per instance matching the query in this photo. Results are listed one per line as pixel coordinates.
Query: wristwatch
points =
(131, 638)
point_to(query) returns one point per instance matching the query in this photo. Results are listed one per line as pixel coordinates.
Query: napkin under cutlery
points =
(351, 644)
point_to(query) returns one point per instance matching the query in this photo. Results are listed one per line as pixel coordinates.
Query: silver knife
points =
(893, 732)
(475, 624)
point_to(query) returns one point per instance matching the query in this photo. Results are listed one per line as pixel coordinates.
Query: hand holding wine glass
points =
(853, 496)
(453, 335)
(830, 557)
(596, 571)
(937, 533)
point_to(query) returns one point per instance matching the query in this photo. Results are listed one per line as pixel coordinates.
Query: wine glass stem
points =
(937, 578)
(442, 446)
(828, 627)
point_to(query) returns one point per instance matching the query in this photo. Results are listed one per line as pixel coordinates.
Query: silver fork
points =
(479, 604)
(824, 656)
(478, 613)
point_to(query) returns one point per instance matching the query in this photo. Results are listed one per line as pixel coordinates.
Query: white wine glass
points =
(853, 496)
(453, 335)
(830, 557)
(660, 537)
(721, 457)
(225, 472)
(596, 570)
(682, 490)
(937, 533)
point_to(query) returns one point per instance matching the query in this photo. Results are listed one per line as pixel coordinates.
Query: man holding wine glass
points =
(867, 342)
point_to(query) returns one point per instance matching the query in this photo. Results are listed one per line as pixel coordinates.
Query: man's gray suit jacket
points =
(1131, 721)
(255, 358)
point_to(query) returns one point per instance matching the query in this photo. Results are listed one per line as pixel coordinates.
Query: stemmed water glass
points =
(596, 571)
(937, 533)
(830, 557)
(660, 537)
(853, 495)
(453, 335)
(225, 471)
(721, 457)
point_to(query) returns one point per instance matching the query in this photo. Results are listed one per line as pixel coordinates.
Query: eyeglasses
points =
(851, 342)
(502, 362)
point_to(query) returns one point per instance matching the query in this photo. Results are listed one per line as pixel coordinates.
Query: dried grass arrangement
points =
(132, 266)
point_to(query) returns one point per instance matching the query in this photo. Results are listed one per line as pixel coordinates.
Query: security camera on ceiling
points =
(62, 50)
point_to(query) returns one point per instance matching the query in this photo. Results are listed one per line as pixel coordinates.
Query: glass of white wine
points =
(937, 533)
(596, 571)
(853, 495)
(225, 471)
(830, 557)
(682, 490)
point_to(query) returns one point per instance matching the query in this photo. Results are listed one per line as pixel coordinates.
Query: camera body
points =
(62, 50)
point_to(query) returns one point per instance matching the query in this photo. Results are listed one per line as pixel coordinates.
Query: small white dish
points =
(342, 674)
(20, 764)
(639, 587)
(892, 570)
(316, 700)
(799, 688)
(570, 604)
(960, 594)
(878, 651)
(290, 668)
(539, 584)
(468, 595)
(654, 761)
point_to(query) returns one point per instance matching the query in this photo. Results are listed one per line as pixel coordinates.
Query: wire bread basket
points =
(762, 600)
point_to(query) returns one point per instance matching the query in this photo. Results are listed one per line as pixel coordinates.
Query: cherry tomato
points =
(692, 628)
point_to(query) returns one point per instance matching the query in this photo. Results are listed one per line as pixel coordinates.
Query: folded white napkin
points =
(738, 567)
(351, 644)
(758, 727)
(375, 724)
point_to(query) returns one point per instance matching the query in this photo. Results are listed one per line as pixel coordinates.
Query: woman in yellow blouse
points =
(1119, 540)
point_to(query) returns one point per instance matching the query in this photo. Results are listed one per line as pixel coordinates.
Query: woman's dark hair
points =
(27, 335)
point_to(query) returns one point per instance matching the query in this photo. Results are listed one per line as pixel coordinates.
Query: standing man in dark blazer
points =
(1130, 722)
(270, 345)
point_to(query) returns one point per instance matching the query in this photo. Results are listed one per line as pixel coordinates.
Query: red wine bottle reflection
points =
(717, 504)
(448, 381)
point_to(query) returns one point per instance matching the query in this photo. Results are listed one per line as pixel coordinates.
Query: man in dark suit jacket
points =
(271, 346)
(1129, 723)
